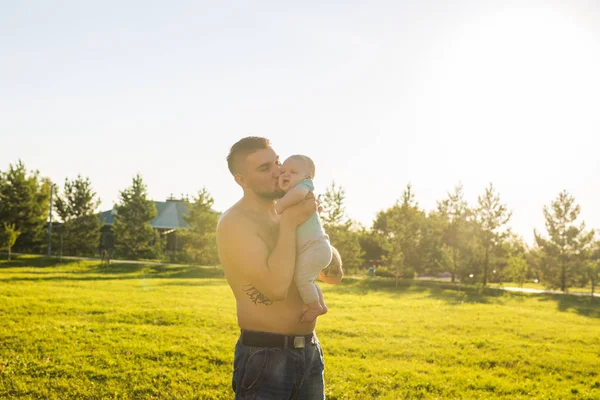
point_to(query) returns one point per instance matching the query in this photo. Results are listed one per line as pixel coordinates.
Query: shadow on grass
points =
(92, 270)
(35, 262)
(582, 305)
(448, 292)
(454, 294)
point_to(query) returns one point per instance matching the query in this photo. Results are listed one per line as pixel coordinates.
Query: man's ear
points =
(239, 178)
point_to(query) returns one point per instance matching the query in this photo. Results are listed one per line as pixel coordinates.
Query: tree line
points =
(468, 243)
(24, 212)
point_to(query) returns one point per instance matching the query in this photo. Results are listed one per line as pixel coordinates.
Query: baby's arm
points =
(293, 196)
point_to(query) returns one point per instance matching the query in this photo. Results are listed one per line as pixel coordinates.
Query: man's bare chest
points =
(269, 233)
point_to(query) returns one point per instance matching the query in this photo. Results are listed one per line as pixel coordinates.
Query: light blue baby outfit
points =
(311, 229)
(314, 252)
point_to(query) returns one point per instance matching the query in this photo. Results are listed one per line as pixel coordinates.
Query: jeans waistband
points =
(268, 339)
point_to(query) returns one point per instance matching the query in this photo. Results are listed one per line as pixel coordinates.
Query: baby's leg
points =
(309, 264)
(310, 293)
(314, 309)
(321, 299)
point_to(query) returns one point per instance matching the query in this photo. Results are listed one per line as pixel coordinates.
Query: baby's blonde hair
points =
(308, 161)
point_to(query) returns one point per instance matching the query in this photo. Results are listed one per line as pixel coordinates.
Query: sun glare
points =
(521, 71)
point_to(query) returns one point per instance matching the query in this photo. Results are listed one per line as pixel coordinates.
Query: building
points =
(169, 219)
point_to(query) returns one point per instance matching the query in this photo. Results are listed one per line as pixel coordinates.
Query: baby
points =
(313, 248)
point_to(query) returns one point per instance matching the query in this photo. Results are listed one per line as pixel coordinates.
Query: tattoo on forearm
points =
(256, 296)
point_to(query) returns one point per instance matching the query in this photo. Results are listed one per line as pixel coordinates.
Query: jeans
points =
(271, 373)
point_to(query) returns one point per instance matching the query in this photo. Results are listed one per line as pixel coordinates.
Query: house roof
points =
(170, 215)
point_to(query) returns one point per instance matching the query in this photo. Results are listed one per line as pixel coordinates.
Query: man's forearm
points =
(282, 260)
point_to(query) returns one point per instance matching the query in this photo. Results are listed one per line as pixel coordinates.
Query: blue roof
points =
(170, 215)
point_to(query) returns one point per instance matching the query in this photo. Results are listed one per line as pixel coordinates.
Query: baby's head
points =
(294, 170)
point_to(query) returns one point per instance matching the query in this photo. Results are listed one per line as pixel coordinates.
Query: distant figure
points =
(105, 257)
(312, 243)
(105, 249)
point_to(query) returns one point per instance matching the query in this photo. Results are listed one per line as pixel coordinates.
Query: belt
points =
(267, 339)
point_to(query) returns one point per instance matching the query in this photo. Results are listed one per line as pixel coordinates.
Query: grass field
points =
(79, 331)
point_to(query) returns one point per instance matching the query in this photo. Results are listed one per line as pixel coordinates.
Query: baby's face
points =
(293, 171)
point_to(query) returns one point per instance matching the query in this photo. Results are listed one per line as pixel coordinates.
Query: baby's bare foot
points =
(313, 311)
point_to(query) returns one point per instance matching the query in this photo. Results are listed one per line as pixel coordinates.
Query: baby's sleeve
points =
(307, 183)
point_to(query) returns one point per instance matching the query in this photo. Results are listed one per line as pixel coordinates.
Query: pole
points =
(50, 223)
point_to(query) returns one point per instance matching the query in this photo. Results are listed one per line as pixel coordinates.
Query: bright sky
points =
(378, 93)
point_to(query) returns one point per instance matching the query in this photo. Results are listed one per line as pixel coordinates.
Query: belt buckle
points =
(299, 342)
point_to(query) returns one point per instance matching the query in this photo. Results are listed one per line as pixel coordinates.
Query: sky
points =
(379, 94)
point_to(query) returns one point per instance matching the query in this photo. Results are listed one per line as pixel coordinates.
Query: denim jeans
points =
(270, 373)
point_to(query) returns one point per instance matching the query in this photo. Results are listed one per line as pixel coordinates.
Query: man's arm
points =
(293, 196)
(242, 250)
(333, 273)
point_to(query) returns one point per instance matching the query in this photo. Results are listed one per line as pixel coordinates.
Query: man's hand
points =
(319, 205)
(300, 212)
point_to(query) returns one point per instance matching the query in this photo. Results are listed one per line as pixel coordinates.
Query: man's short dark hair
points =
(243, 148)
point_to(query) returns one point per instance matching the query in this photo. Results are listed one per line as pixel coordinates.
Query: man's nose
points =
(276, 171)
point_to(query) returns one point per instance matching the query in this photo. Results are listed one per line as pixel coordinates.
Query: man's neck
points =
(258, 204)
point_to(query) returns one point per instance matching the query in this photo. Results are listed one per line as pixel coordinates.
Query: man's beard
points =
(274, 195)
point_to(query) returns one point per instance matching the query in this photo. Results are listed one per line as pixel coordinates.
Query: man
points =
(277, 356)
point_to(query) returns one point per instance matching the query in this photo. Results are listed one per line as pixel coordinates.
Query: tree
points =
(456, 210)
(24, 202)
(400, 229)
(435, 254)
(517, 268)
(492, 217)
(199, 242)
(535, 261)
(340, 228)
(134, 235)
(81, 224)
(371, 245)
(334, 210)
(593, 267)
(564, 250)
(512, 246)
(9, 237)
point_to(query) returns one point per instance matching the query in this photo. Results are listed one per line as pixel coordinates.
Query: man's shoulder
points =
(233, 216)
(236, 219)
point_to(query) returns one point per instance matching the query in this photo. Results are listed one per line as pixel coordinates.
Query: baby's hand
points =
(278, 207)
(300, 212)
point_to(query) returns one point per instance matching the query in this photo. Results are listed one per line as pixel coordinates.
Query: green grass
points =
(76, 331)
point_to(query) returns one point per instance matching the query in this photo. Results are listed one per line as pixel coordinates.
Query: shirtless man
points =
(277, 356)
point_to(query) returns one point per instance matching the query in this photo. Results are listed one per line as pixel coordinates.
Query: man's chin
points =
(277, 194)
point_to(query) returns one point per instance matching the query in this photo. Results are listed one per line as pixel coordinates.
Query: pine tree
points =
(339, 227)
(24, 203)
(593, 267)
(492, 216)
(564, 251)
(400, 229)
(134, 235)
(456, 210)
(81, 224)
(199, 241)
